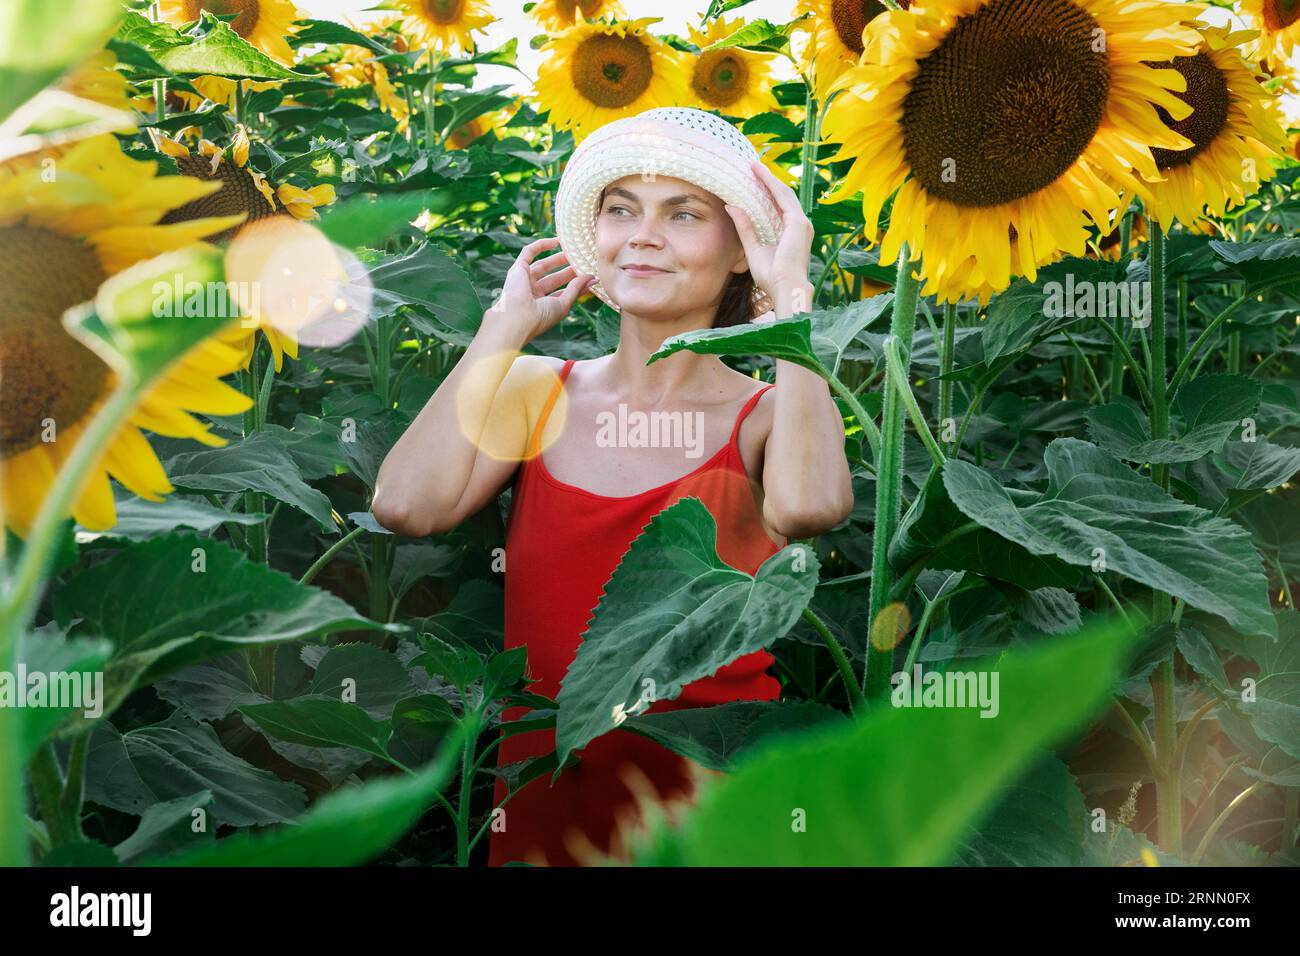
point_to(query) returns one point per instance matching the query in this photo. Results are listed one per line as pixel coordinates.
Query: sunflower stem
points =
(1182, 319)
(842, 662)
(889, 474)
(945, 369)
(808, 156)
(1169, 798)
(261, 658)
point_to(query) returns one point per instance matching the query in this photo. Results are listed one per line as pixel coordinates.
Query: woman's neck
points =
(682, 376)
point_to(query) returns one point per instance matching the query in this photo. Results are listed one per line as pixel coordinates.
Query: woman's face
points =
(674, 226)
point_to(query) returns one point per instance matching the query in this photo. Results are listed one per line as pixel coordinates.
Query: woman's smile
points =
(644, 271)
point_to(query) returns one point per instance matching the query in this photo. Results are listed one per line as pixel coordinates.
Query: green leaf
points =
(131, 772)
(47, 651)
(758, 34)
(672, 613)
(428, 277)
(368, 220)
(1269, 264)
(1040, 820)
(223, 52)
(138, 519)
(1209, 409)
(347, 827)
(374, 679)
(1094, 502)
(1027, 312)
(39, 42)
(937, 533)
(814, 340)
(328, 32)
(138, 327)
(1243, 467)
(166, 827)
(902, 785)
(319, 721)
(191, 614)
(717, 736)
(259, 462)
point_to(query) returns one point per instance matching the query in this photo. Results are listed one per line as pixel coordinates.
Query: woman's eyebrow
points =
(670, 201)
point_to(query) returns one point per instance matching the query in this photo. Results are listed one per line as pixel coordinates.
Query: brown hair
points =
(737, 305)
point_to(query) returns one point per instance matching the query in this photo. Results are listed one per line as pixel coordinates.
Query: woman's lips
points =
(643, 271)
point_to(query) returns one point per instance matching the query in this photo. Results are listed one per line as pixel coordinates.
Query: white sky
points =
(513, 22)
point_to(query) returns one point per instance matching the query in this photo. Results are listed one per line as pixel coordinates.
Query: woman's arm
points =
(469, 438)
(807, 486)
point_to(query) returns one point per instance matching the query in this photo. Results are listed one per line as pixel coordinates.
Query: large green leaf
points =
(1269, 264)
(131, 772)
(190, 614)
(220, 51)
(815, 340)
(1028, 312)
(47, 651)
(319, 721)
(936, 533)
(902, 785)
(347, 827)
(39, 41)
(715, 737)
(1094, 502)
(1040, 820)
(1243, 468)
(427, 277)
(139, 519)
(671, 613)
(260, 462)
(1207, 411)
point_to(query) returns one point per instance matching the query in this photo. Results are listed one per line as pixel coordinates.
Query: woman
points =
(661, 246)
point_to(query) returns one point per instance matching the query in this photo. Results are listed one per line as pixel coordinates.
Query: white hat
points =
(680, 142)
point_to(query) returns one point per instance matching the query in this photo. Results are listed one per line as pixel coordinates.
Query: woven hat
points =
(680, 142)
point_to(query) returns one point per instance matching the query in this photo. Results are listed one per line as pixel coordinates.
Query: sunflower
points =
(1004, 122)
(58, 242)
(1233, 129)
(263, 23)
(443, 25)
(356, 67)
(556, 15)
(733, 81)
(834, 29)
(597, 72)
(1278, 22)
(245, 192)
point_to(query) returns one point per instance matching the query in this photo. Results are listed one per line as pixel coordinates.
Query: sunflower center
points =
(243, 24)
(720, 78)
(1007, 102)
(850, 18)
(1207, 95)
(444, 11)
(47, 374)
(611, 71)
(238, 193)
(1280, 14)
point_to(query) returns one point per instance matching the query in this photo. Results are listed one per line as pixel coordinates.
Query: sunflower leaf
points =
(673, 612)
(220, 51)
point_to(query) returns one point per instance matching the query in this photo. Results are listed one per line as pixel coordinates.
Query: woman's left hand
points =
(783, 265)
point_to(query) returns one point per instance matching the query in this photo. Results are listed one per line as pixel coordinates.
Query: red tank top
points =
(562, 545)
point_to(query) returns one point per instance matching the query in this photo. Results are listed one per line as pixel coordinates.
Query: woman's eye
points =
(685, 213)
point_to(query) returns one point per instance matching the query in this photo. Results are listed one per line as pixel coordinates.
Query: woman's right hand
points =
(537, 295)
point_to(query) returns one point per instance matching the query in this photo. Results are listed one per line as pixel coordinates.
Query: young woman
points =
(768, 462)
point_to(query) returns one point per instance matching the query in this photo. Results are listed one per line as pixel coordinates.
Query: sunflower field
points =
(1056, 264)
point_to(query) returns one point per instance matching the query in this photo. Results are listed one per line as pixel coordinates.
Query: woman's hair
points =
(737, 305)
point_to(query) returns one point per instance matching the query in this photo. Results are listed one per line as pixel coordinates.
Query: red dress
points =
(562, 546)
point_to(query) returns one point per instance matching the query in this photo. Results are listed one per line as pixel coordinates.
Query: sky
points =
(513, 22)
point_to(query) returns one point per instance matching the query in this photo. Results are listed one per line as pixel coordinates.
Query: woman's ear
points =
(741, 264)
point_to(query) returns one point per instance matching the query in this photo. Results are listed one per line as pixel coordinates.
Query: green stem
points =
(859, 413)
(1201, 339)
(1221, 819)
(1182, 318)
(889, 476)
(841, 659)
(328, 556)
(1127, 358)
(1087, 367)
(1118, 356)
(893, 367)
(808, 155)
(946, 366)
(472, 722)
(74, 786)
(47, 785)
